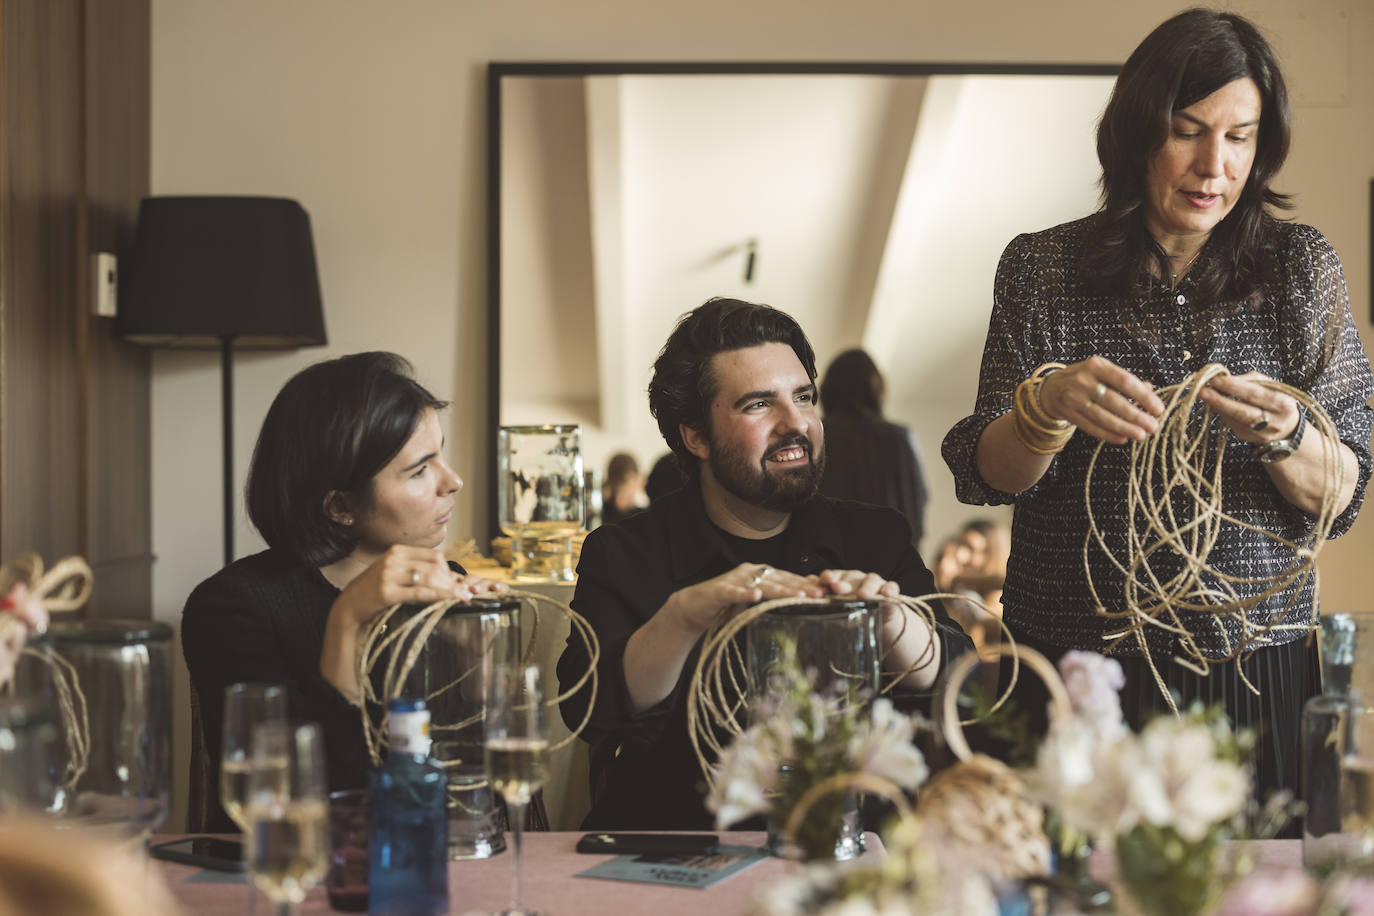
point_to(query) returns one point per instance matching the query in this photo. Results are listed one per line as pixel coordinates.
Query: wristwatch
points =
(1279, 449)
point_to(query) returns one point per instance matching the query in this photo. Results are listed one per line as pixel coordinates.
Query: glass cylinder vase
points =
(115, 760)
(836, 646)
(541, 497)
(448, 674)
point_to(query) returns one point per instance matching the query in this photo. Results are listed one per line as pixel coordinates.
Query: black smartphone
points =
(206, 851)
(653, 844)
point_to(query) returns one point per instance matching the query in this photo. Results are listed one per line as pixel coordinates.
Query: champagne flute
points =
(245, 707)
(287, 812)
(516, 751)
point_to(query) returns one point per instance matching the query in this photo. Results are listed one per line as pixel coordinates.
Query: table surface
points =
(550, 885)
(483, 886)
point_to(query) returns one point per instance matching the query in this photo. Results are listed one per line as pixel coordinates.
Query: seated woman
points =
(350, 490)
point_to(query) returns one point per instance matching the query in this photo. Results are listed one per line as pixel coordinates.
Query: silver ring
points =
(1262, 424)
(760, 576)
(414, 578)
(1099, 392)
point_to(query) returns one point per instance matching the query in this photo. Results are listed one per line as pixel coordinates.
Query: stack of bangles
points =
(1038, 431)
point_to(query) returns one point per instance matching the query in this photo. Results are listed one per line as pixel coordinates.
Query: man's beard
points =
(754, 483)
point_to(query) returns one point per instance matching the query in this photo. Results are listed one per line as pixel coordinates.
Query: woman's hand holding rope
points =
(1258, 411)
(401, 575)
(1103, 400)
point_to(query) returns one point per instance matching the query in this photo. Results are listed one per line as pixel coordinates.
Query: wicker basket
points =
(979, 807)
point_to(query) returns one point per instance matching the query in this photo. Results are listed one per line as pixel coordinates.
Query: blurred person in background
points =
(871, 460)
(622, 495)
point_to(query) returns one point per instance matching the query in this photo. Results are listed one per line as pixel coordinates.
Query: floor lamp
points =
(222, 273)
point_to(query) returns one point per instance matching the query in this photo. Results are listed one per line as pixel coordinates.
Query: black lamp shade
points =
(209, 269)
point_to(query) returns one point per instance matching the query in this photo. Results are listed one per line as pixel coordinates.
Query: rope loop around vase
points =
(1175, 512)
(401, 642)
(717, 699)
(63, 588)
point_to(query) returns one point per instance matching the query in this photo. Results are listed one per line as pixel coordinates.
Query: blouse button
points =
(1187, 354)
(1182, 299)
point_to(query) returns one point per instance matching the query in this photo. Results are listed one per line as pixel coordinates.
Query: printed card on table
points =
(678, 870)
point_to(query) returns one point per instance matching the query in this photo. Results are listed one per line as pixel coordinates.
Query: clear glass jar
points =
(123, 673)
(448, 674)
(30, 756)
(540, 491)
(838, 641)
(836, 645)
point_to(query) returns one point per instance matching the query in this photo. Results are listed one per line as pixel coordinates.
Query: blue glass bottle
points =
(408, 838)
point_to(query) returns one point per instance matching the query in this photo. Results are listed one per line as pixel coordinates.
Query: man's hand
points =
(696, 607)
(859, 584)
(906, 637)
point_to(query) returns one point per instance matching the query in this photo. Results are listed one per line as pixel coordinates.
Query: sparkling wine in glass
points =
(516, 751)
(287, 813)
(245, 707)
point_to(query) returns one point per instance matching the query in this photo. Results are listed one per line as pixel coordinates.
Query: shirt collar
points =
(812, 539)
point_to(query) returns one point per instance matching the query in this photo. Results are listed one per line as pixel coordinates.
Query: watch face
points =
(1277, 451)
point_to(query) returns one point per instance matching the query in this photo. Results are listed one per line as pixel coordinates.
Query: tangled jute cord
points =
(402, 643)
(979, 805)
(717, 696)
(1185, 457)
(65, 587)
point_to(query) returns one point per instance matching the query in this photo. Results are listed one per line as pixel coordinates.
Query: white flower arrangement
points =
(800, 738)
(1179, 773)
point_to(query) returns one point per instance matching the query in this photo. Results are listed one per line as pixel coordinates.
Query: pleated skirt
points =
(1286, 677)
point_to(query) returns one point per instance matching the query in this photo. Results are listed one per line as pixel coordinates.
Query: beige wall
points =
(371, 113)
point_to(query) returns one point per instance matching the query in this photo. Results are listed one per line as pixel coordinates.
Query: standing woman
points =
(350, 489)
(869, 459)
(1184, 265)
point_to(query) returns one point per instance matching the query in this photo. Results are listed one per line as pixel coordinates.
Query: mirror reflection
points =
(873, 208)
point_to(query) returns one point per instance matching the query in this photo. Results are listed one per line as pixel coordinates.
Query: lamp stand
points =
(226, 385)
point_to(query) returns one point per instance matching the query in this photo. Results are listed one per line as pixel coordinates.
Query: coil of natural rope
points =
(401, 644)
(63, 588)
(979, 805)
(1183, 460)
(716, 695)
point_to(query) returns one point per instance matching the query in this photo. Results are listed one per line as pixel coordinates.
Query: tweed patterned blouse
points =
(1043, 312)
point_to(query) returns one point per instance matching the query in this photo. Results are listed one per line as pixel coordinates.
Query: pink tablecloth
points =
(550, 885)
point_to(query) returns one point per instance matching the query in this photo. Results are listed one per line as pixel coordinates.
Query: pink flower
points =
(20, 614)
(1094, 683)
(1353, 894)
(1272, 892)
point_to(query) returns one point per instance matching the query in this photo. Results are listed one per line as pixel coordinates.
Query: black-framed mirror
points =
(869, 200)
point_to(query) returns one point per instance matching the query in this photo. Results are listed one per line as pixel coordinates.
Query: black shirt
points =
(644, 771)
(261, 619)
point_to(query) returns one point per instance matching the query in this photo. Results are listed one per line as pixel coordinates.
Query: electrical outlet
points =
(104, 284)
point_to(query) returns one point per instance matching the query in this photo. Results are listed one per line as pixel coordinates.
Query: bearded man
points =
(734, 395)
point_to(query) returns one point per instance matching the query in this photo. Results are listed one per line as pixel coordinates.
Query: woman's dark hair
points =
(1184, 60)
(852, 384)
(682, 388)
(330, 429)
